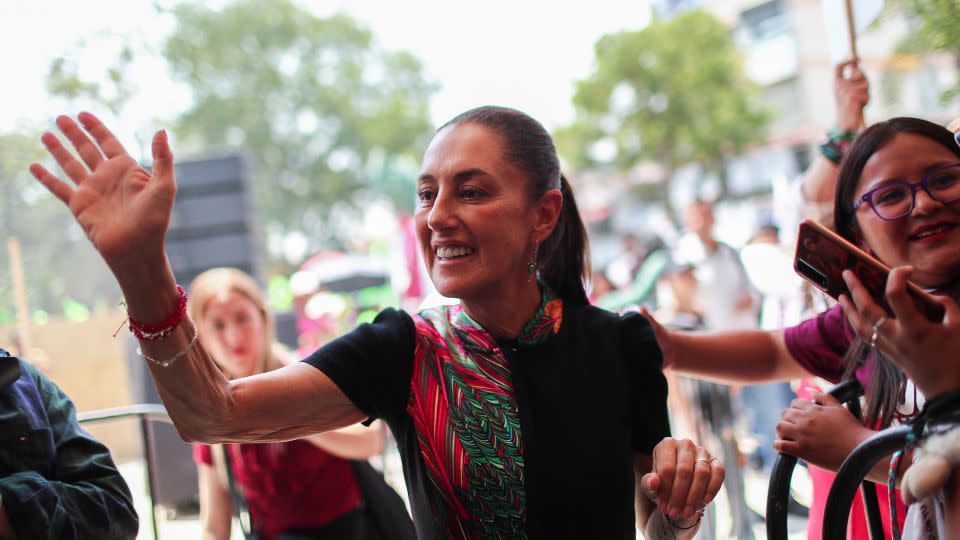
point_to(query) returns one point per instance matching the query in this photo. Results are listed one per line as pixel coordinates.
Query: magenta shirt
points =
(819, 344)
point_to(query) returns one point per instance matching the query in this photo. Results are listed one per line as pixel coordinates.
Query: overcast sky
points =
(521, 53)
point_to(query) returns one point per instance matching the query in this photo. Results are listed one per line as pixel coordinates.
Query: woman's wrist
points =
(149, 291)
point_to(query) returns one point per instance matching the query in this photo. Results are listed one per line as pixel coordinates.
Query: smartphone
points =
(822, 256)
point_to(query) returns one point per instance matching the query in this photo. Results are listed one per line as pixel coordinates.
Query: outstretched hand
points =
(123, 209)
(684, 479)
(664, 337)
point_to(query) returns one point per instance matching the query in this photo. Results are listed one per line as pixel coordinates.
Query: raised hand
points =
(685, 478)
(851, 92)
(123, 209)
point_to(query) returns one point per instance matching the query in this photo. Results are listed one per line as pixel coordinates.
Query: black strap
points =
(238, 498)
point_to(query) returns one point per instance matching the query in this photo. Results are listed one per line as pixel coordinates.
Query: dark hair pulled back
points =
(563, 259)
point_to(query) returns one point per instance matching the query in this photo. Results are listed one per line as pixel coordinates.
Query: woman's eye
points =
(889, 196)
(944, 180)
(470, 193)
(425, 195)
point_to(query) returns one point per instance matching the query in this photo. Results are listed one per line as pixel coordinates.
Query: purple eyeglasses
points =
(896, 199)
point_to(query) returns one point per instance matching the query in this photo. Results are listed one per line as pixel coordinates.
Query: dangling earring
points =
(532, 265)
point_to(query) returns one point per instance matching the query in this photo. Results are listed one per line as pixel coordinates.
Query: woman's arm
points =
(125, 212)
(216, 510)
(281, 405)
(745, 357)
(351, 442)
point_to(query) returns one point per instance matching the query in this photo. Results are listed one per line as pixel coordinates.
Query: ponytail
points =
(563, 258)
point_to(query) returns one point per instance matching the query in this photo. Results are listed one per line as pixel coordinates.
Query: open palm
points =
(123, 208)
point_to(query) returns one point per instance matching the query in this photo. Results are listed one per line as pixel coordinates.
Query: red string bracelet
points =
(164, 328)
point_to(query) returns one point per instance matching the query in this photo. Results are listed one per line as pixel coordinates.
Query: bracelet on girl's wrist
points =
(836, 145)
(685, 526)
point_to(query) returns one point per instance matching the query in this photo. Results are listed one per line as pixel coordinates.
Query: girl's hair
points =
(886, 380)
(563, 259)
(218, 283)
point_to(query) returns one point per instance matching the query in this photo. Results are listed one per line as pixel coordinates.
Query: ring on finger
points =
(876, 330)
(708, 461)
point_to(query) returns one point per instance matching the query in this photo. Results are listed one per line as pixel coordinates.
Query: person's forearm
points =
(746, 357)
(196, 394)
(820, 181)
(352, 442)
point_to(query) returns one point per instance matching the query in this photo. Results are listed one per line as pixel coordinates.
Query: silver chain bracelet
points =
(169, 362)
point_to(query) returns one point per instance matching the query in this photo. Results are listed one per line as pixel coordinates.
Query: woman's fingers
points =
(862, 312)
(108, 142)
(162, 156)
(53, 184)
(696, 496)
(665, 465)
(784, 446)
(73, 168)
(901, 302)
(683, 476)
(85, 146)
(717, 473)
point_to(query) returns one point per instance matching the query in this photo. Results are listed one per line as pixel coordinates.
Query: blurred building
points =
(785, 51)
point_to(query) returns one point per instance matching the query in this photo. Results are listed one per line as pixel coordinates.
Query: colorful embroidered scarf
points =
(464, 410)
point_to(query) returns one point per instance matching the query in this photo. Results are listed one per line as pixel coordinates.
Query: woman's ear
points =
(547, 214)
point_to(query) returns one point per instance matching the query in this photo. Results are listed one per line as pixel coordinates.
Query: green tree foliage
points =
(674, 92)
(938, 24)
(323, 111)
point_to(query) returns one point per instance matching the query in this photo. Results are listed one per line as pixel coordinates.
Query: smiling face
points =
(233, 331)
(929, 237)
(475, 222)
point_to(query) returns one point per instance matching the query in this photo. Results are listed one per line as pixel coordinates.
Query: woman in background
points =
(304, 488)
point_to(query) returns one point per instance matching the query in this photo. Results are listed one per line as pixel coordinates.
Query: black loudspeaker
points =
(214, 224)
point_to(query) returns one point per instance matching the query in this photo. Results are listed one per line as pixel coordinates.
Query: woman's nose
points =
(231, 335)
(443, 213)
(924, 203)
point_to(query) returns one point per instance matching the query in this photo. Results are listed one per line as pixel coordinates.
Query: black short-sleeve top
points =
(526, 438)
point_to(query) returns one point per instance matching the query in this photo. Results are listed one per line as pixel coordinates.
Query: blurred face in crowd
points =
(928, 237)
(475, 221)
(698, 218)
(233, 331)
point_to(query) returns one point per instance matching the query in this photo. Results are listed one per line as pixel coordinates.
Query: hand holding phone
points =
(822, 256)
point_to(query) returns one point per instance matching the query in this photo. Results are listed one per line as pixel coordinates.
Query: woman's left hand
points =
(684, 479)
(927, 351)
(821, 431)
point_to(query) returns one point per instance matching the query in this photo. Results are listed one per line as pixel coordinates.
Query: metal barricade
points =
(851, 474)
(146, 414)
(778, 493)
